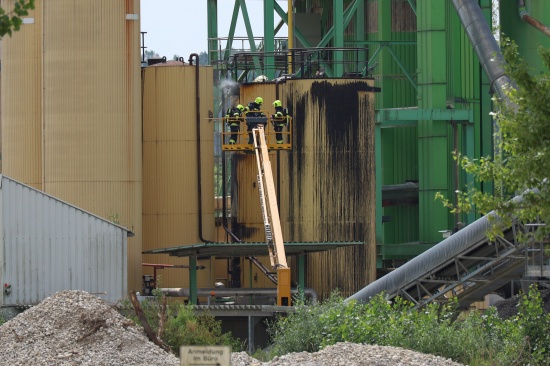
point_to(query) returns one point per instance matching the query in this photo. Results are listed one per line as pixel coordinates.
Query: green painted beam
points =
(212, 24)
(359, 28)
(232, 27)
(403, 249)
(379, 210)
(249, 33)
(433, 135)
(415, 114)
(301, 271)
(269, 39)
(193, 279)
(338, 39)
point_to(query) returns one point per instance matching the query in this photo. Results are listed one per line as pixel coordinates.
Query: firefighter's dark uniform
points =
(234, 118)
(253, 110)
(279, 120)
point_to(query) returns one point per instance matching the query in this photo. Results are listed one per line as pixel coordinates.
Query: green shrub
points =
(187, 329)
(470, 337)
(535, 326)
(182, 326)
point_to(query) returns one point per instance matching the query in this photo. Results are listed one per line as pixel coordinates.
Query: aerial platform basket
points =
(244, 136)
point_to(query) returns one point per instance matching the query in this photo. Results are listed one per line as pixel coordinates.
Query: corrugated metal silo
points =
(170, 166)
(87, 82)
(326, 181)
(328, 184)
(21, 101)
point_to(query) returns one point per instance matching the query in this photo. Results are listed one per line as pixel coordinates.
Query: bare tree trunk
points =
(162, 317)
(145, 324)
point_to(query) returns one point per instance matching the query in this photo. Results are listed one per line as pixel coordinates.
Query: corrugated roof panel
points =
(49, 245)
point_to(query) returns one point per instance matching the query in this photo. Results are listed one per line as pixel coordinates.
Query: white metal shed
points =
(47, 245)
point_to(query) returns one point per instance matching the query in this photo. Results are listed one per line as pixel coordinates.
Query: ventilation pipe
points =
(198, 122)
(527, 18)
(485, 46)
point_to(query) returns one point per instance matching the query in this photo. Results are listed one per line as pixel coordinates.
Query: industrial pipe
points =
(527, 18)
(198, 115)
(228, 292)
(423, 263)
(437, 255)
(224, 203)
(485, 46)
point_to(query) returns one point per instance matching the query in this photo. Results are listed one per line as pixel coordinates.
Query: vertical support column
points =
(269, 39)
(193, 279)
(338, 21)
(290, 25)
(251, 323)
(384, 138)
(359, 24)
(379, 172)
(212, 24)
(301, 272)
(433, 144)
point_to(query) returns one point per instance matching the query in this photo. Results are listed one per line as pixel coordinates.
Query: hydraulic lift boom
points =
(270, 214)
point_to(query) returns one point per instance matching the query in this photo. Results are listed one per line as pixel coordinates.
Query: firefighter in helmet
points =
(254, 110)
(234, 118)
(279, 120)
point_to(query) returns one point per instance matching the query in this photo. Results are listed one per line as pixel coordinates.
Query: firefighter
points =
(279, 120)
(234, 118)
(253, 110)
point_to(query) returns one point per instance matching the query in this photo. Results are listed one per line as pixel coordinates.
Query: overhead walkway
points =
(466, 265)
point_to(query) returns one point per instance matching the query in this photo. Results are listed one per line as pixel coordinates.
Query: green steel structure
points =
(435, 97)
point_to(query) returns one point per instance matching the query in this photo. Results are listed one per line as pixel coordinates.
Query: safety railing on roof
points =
(302, 63)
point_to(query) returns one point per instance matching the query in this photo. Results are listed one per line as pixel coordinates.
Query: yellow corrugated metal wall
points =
(80, 109)
(21, 110)
(170, 175)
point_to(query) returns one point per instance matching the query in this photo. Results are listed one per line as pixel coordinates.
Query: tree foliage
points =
(521, 163)
(11, 21)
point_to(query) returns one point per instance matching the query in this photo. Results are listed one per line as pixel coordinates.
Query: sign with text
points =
(205, 356)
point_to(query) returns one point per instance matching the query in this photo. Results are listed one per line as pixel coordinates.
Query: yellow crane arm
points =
(270, 214)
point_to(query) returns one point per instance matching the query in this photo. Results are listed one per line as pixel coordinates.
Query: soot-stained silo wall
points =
(328, 185)
(326, 182)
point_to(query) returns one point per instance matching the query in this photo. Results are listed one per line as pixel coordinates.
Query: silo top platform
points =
(227, 250)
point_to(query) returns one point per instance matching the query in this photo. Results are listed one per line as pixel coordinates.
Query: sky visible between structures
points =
(180, 26)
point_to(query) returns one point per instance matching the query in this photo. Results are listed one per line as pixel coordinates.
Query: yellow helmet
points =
(240, 107)
(259, 100)
(277, 103)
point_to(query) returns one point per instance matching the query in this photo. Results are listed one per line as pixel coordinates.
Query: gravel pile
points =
(509, 307)
(77, 328)
(349, 354)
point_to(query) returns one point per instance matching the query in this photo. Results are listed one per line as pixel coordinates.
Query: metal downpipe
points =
(527, 18)
(198, 122)
(224, 203)
(485, 46)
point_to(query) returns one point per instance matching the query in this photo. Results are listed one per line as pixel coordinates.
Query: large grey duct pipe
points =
(437, 255)
(422, 264)
(485, 45)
